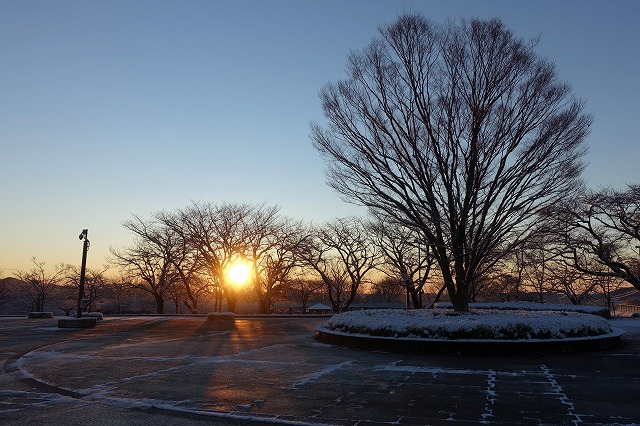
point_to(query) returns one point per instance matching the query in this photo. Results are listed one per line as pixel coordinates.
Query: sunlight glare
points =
(238, 273)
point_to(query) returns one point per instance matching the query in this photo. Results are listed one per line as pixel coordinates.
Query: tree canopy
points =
(459, 131)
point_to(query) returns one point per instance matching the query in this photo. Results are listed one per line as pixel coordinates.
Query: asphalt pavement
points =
(187, 371)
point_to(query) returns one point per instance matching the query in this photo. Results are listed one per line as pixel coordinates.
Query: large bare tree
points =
(218, 232)
(460, 131)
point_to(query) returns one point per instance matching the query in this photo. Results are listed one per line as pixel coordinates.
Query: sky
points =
(114, 108)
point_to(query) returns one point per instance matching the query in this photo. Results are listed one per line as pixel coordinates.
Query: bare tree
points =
(537, 255)
(608, 287)
(504, 286)
(571, 283)
(219, 234)
(460, 131)
(274, 247)
(177, 295)
(186, 262)
(66, 293)
(511, 275)
(302, 288)
(403, 257)
(342, 253)
(602, 233)
(147, 268)
(95, 282)
(391, 289)
(5, 289)
(119, 291)
(37, 285)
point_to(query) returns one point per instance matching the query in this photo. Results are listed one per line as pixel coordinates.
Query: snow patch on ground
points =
(315, 376)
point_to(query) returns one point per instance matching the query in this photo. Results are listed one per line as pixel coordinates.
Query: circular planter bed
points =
(490, 332)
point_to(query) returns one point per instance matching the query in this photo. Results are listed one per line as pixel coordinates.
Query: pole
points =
(408, 306)
(83, 267)
(419, 277)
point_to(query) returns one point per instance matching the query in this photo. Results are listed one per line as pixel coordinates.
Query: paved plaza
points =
(187, 371)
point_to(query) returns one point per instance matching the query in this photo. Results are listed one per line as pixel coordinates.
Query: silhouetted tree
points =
(5, 290)
(459, 131)
(342, 253)
(608, 286)
(119, 291)
(391, 289)
(574, 285)
(94, 284)
(219, 233)
(147, 268)
(403, 257)
(537, 254)
(38, 285)
(274, 247)
(187, 263)
(602, 233)
(302, 289)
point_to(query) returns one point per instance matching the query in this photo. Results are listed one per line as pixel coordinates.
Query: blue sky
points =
(113, 108)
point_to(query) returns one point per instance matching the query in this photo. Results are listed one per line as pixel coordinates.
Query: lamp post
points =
(419, 276)
(85, 248)
(408, 301)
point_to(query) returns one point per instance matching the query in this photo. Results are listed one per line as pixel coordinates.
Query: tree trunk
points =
(437, 298)
(264, 306)
(159, 304)
(415, 298)
(460, 301)
(231, 304)
(192, 307)
(231, 297)
(460, 298)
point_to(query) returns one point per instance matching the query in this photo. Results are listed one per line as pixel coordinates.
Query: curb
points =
(472, 347)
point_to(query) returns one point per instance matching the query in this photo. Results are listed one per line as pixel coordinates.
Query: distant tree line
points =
(584, 251)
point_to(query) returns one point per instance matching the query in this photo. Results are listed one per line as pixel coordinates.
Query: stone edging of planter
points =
(472, 346)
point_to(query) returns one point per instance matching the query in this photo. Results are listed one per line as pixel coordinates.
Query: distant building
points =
(320, 309)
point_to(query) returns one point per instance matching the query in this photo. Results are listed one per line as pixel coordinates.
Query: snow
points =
(315, 376)
(478, 324)
(319, 307)
(631, 325)
(298, 373)
(530, 306)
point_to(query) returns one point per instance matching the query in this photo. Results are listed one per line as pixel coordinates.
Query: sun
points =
(238, 273)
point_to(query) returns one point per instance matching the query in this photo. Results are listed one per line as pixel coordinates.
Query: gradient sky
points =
(114, 108)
